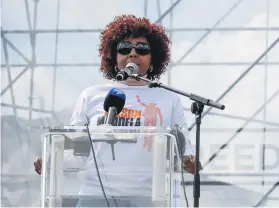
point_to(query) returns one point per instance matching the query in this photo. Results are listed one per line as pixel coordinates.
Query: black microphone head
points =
(151, 84)
(178, 132)
(115, 98)
(120, 76)
(181, 139)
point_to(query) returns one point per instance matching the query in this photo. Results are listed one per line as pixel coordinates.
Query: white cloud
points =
(218, 46)
(87, 13)
(243, 100)
(231, 47)
(211, 81)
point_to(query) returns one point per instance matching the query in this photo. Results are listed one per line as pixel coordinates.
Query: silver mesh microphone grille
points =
(133, 68)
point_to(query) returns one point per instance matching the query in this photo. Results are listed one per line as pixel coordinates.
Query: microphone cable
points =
(181, 164)
(96, 165)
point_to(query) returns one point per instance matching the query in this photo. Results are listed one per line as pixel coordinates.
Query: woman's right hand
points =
(38, 165)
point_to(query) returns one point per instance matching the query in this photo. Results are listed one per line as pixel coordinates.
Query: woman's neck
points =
(133, 82)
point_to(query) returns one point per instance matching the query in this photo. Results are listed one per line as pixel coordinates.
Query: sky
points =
(217, 46)
(209, 81)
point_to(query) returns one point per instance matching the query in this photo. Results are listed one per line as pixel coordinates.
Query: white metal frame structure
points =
(31, 64)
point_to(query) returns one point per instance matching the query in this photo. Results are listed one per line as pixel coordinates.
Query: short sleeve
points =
(79, 114)
(178, 118)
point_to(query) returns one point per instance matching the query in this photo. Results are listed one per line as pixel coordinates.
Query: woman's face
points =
(140, 54)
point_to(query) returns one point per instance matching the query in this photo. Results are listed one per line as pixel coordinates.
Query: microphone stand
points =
(197, 109)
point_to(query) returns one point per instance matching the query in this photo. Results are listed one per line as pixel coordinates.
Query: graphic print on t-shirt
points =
(127, 117)
(132, 117)
(150, 113)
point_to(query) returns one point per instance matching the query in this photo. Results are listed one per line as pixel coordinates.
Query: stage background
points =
(222, 49)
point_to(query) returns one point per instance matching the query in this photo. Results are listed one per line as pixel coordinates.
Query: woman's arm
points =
(178, 118)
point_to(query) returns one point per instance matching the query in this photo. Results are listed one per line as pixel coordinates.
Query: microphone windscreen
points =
(115, 98)
(181, 140)
(134, 68)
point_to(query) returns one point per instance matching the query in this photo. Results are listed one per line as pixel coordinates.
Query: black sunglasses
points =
(125, 48)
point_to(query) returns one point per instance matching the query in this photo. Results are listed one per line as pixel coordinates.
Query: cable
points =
(181, 164)
(102, 164)
(96, 166)
(88, 121)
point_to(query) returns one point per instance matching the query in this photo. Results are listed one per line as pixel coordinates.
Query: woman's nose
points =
(133, 53)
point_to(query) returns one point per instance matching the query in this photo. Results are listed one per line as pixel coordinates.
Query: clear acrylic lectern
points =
(132, 162)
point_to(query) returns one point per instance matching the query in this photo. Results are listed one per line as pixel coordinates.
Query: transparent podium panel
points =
(108, 166)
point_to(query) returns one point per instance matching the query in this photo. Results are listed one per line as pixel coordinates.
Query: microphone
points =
(180, 140)
(131, 68)
(113, 105)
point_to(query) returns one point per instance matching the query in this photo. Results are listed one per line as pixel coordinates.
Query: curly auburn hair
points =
(126, 26)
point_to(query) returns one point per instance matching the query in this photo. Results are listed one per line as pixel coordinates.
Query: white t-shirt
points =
(131, 173)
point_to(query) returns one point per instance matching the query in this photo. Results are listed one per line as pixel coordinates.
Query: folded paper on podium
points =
(134, 165)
